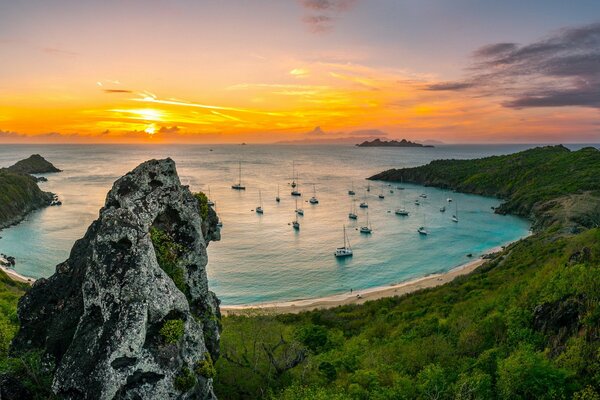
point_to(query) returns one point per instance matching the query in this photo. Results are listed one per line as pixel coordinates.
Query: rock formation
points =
(34, 164)
(129, 315)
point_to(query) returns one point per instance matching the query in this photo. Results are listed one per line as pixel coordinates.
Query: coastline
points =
(15, 276)
(358, 296)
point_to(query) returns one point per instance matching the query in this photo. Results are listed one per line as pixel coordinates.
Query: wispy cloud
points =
(322, 13)
(117, 91)
(562, 69)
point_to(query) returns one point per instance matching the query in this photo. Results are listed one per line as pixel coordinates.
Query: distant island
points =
(391, 143)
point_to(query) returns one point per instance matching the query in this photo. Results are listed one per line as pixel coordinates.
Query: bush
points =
(314, 337)
(167, 254)
(206, 367)
(185, 380)
(172, 331)
(526, 374)
(202, 205)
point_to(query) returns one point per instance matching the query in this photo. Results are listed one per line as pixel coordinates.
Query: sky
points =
(225, 71)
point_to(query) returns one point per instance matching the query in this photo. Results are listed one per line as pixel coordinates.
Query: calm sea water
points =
(260, 257)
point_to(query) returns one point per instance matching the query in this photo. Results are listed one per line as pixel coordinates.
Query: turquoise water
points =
(260, 257)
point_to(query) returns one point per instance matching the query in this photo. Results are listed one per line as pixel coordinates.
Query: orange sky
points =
(139, 79)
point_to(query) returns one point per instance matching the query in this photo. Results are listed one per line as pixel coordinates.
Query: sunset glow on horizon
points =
(270, 71)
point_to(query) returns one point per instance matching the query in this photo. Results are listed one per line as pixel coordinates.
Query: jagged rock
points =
(34, 164)
(559, 320)
(99, 317)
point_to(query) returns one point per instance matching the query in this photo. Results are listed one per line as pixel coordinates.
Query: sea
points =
(261, 258)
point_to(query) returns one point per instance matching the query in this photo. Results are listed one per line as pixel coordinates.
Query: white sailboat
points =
(346, 250)
(239, 186)
(209, 201)
(443, 209)
(455, 216)
(278, 199)
(417, 202)
(421, 229)
(352, 213)
(313, 199)
(381, 196)
(402, 211)
(259, 209)
(367, 228)
(219, 222)
(295, 223)
(364, 203)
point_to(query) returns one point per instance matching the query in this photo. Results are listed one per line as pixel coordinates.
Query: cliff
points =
(129, 315)
(34, 164)
(19, 195)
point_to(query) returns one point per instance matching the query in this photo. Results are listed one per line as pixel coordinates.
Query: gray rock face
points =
(99, 319)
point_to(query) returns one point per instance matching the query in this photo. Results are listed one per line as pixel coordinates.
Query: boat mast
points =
(240, 173)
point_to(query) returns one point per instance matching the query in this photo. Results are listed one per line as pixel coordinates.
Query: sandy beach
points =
(15, 276)
(357, 296)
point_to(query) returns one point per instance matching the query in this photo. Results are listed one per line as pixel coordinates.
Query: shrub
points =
(185, 380)
(206, 367)
(167, 254)
(202, 205)
(172, 331)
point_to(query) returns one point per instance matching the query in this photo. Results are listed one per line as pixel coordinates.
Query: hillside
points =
(392, 143)
(525, 325)
(19, 195)
(534, 177)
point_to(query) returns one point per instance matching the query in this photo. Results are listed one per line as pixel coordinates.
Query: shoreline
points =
(15, 276)
(358, 296)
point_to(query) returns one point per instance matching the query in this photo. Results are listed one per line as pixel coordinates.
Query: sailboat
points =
(239, 186)
(352, 213)
(417, 202)
(351, 192)
(278, 199)
(368, 187)
(299, 211)
(219, 223)
(364, 203)
(313, 199)
(402, 211)
(296, 187)
(443, 209)
(367, 227)
(293, 184)
(381, 196)
(295, 223)
(422, 230)
(423, 196)
(259, 209)
(455, 216)
(346, 250)
(209, 201)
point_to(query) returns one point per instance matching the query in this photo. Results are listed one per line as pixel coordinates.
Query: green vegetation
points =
(167, 254)
(202, 205)
(185, 380)
(172, 331)
(26, 368)
(523, 179)
(525, 325)
(206, 367)
(19, 194)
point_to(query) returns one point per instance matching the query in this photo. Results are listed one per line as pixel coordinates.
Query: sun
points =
(151, 129)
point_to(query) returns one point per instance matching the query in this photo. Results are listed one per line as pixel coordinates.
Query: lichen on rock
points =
(112, 321)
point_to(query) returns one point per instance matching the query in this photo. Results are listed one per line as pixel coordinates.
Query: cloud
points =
(323, 12)
(368, 133)
(450, 86)
(562, 69)
(117, 91)
(316, 132)
(168, 129)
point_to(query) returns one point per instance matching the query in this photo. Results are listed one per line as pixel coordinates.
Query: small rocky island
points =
(129, 315)
(392, 143)
(20, 193)
(34, 164)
